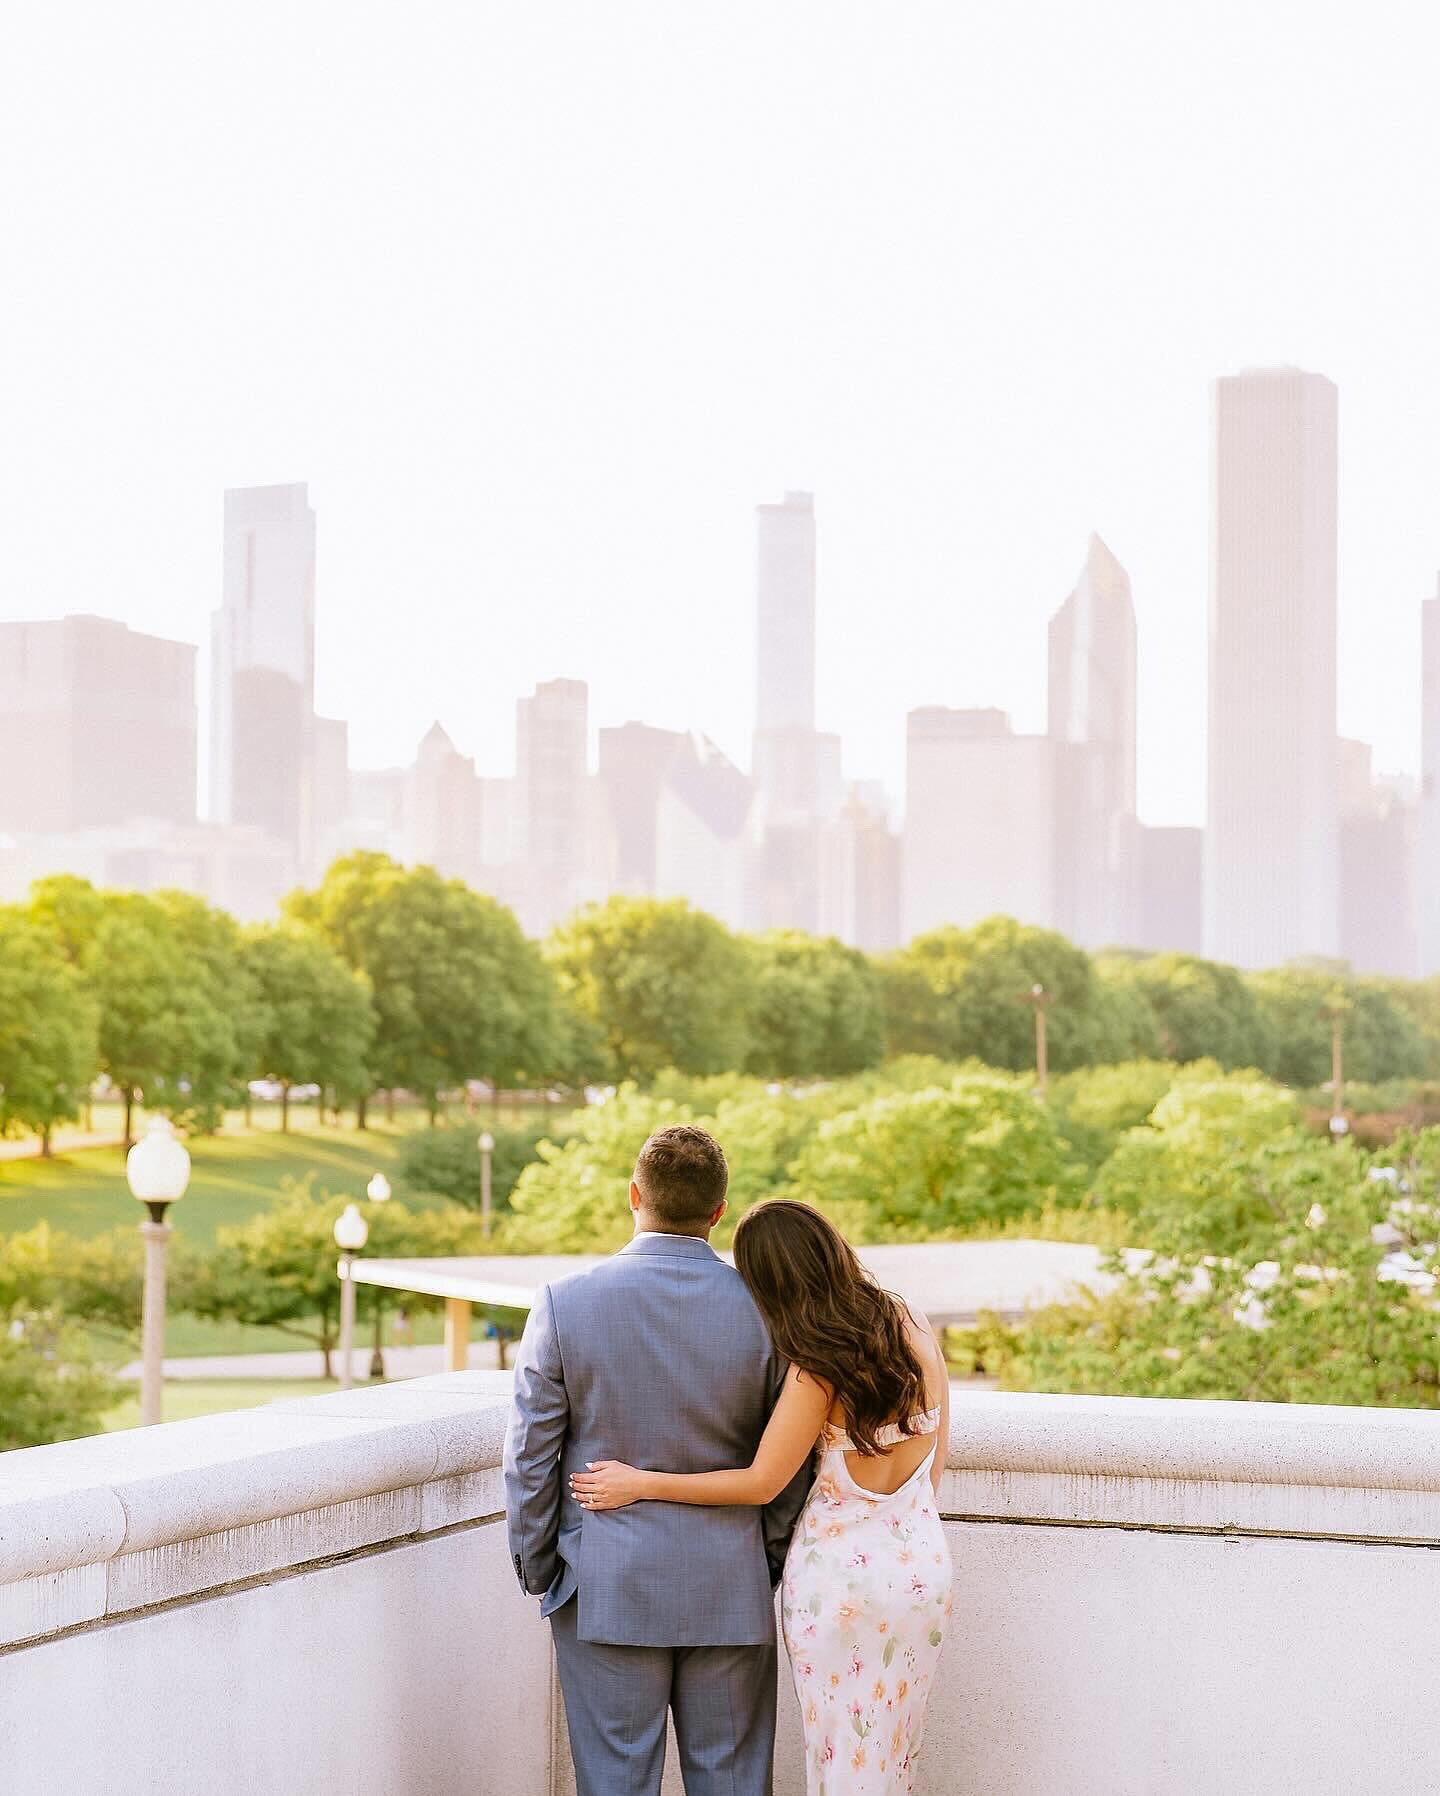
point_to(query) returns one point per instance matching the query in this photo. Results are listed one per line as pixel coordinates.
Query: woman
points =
(866, 1591)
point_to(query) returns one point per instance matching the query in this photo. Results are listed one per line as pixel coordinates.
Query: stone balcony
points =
(315, 1599)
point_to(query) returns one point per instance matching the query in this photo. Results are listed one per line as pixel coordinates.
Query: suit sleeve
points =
(778, 1518)
(534, 1441)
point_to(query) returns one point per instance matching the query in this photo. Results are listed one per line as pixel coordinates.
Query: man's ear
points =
(724, 1206)
(635, 1198)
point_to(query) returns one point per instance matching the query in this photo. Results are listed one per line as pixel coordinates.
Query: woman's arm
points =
(789, 1438)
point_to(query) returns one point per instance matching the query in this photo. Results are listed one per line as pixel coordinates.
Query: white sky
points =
(542, 298)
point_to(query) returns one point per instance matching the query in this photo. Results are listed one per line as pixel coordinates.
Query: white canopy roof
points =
(948, 1281)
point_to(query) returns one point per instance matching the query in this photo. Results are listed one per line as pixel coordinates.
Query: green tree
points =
(1382, 1041)
(156, 1018)
(50, 1388)
(661, 984)
(96, 1280)
(815, 1007)
(317, 1020)
(446, 1162)
(173, 1003)
(572, 1198)
(459, 993)
(278, 1269)
(226, 1026)
(48, 1043)
(958, 993)
(1312, 1308)
(1201, 1008)
(930, 1165)
(1097, 1104)
(1206, 1174)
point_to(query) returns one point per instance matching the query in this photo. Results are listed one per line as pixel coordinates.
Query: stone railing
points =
(315, 1599)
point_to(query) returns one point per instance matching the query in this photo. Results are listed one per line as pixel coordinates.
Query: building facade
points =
(1272, 838)
(979, 835)
(262, 712)
(555, 819)
(97, 726)
(1092, 724)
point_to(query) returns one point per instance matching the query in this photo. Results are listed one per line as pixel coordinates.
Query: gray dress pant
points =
(616, 1698)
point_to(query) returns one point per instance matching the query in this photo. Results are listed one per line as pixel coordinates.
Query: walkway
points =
(400, 1362)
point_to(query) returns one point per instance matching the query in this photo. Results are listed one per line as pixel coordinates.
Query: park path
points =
(400, 1362)
(67, 1141)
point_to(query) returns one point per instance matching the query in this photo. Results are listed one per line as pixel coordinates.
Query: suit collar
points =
(678, 1247)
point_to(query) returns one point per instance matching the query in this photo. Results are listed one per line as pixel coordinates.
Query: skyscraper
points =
(262, 717)
(634, 758)
(785, 614)
(702, 831)
(796, 768)
(97, 726)
(1092, 723)
(442, 808)
(555, 820)
(1271, 840)
(979, 835)
(1428, 859)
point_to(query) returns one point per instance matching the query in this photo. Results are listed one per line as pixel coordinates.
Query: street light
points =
(157, 1170)
(487, 1150)
(1039, 1001)
(1335, 1013)
(351, 1233)
(378, 1191)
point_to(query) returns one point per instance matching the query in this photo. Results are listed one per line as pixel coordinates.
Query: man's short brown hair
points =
(682, 1176)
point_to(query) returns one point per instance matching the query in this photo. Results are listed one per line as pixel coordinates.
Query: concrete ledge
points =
(100, 1527)
(97, 1528)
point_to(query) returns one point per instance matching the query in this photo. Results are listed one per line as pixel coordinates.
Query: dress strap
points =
(891, 1435)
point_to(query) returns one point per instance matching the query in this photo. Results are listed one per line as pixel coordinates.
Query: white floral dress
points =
(865, 1606)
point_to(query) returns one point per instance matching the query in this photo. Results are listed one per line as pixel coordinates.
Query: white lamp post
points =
(351, 1233)
(157, 1170)
(378, 1191)
(487, 1208)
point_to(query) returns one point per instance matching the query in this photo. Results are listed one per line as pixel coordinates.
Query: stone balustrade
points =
(315, 1599)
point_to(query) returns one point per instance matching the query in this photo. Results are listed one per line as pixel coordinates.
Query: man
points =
(659, 1358)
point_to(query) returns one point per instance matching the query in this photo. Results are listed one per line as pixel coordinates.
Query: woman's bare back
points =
(884, 1472)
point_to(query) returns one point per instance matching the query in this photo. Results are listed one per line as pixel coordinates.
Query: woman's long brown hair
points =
(827, 1316)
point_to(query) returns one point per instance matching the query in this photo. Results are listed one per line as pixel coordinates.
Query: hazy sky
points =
(542, 298)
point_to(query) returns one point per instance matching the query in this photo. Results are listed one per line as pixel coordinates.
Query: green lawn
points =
(187, 1397)
(236, 1173)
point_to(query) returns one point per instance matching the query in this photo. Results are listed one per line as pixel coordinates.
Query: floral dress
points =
(865, 1606)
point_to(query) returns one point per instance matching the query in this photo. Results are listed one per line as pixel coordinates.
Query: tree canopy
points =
(661, 985)
(459, 992)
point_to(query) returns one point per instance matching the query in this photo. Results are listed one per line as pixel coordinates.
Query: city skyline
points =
(1308, 852)
(538, 345)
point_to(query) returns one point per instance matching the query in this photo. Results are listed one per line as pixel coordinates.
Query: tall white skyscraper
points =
(554, 810)
(262, 712)
(797, 769)
(1271, 839)
(1092, 723)
(785, 614)
(1428, 870)
(97, 726)
(979, 835)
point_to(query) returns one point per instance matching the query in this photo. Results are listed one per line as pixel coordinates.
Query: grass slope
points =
(235, 1174)
(189, 1397)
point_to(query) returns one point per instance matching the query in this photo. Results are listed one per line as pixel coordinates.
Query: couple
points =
(658, 1465)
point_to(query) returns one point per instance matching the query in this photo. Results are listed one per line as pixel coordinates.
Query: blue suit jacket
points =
(659, 1358)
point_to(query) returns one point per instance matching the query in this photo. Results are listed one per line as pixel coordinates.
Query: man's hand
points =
(607, 1484)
